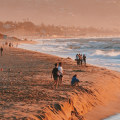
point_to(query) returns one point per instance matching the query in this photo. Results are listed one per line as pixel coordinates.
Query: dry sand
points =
(26, 92)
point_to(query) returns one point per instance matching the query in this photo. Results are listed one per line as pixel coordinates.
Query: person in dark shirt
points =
(74, 81)
(84, 59)
(55, 75)
(1, 49)
(77, 59)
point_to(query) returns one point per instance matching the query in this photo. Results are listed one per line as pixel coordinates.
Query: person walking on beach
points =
(60, 71)
(75, 81)
(1, 49)
(84, 59)
(55, 75)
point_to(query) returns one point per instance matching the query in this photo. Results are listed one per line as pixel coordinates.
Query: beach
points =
(102, 52)
(27, 94)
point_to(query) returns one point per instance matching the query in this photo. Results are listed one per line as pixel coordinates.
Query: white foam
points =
(107, 53)
(99, 51)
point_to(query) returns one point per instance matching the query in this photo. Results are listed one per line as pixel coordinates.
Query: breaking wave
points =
(112, 53)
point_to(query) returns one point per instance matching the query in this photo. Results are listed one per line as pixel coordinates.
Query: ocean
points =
(104, 52)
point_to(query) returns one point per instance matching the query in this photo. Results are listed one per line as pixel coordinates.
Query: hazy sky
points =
(96, 13)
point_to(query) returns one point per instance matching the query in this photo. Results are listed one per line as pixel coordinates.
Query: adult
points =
(10, 44)
(81, 59)
(1, 49)
(6, 43)
(60, 71)
(74, 81)
(55, 75)
(77, 59)
(84, 59)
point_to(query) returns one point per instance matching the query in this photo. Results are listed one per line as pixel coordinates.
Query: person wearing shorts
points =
(55, 75)
(60, 71)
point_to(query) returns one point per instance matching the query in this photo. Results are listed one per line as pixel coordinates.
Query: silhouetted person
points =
(84, 59)
(10, 44)
(1, 49)
(6, 43)
(77, 59)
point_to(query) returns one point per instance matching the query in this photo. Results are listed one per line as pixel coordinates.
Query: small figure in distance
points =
(84, 59)
(6, 43)
(10, 44)
(77, 59)
(74, 81)
(80, 58)
(1, 49)
(55, 75)
(60, 71)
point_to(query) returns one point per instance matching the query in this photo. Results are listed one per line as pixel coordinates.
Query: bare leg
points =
(56, 86)
(55, 83)
(60, 80)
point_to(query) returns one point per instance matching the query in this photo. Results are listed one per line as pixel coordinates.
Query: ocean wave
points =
(108, 53)
(111, 53)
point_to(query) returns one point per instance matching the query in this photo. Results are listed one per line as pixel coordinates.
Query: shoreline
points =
(70, 58)
(67, 57)
(80, 37)
(29, 74)
(104, 112)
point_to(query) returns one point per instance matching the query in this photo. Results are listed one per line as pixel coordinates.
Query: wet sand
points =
(26, 91)
(106, 110)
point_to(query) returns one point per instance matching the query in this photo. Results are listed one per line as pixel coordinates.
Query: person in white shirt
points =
(60, 72)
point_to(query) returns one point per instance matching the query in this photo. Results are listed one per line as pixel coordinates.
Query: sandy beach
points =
(37, 34)
(26, 91)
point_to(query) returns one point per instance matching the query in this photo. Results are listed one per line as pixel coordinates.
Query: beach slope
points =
(26, 91)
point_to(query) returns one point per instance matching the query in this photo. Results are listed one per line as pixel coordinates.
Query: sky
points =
(84, 13)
